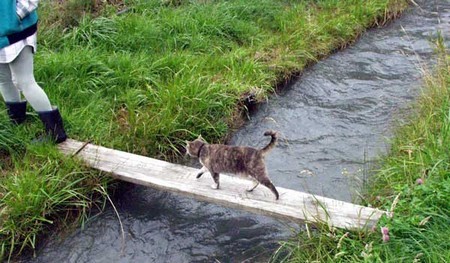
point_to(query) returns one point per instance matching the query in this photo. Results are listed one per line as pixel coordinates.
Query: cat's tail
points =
(272, 142)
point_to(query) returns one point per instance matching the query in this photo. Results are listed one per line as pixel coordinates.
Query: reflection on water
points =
(333, 120)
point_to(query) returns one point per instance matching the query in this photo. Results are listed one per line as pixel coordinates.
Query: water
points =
(333, 121)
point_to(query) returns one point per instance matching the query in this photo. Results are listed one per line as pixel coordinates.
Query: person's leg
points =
(23, 77)
(16, 108)
(9, 92)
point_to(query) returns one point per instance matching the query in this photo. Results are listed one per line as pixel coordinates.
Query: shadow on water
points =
(333, 121)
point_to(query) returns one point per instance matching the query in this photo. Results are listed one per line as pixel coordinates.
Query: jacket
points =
(18, 20)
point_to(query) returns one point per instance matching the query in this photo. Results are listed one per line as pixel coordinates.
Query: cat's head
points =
(193, 147)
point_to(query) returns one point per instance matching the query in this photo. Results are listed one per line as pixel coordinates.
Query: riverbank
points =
(147, 79)
(412, 182)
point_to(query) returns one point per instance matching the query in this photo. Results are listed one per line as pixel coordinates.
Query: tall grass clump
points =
(40, 190)
(9, 142)
(413, 184)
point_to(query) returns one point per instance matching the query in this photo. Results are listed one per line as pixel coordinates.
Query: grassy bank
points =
(413, 183)
(150, 76)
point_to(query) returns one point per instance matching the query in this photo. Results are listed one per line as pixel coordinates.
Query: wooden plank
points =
(166, 176)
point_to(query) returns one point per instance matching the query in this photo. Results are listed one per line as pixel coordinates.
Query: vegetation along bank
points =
(412, 182)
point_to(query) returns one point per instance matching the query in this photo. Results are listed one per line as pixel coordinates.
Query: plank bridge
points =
(292, 205)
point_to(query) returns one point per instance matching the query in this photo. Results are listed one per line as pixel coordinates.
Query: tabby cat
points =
(239, 160)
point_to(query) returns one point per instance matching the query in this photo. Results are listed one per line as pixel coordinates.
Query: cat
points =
(239, 160)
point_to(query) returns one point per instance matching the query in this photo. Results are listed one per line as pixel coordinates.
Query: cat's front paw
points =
(215, 186)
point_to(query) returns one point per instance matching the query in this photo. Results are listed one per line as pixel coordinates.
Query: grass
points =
(150, 76)
(413, 182)
(167, 73)
(40, 189)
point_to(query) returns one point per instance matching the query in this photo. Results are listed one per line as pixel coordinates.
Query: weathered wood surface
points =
(162, 175)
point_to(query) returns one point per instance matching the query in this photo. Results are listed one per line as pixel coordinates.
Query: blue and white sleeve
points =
(25, 7)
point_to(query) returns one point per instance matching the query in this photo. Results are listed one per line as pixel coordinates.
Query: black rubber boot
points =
(17, 111)
(53, 125)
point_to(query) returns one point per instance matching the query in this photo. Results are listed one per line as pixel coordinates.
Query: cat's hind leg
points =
(266, 182)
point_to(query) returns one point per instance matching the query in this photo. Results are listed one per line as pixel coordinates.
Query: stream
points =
(333, 121)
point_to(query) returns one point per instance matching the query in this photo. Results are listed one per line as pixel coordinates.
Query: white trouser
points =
(18, 76)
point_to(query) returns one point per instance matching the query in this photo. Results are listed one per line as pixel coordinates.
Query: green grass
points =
(40, 189)
(165, 73)
(150, 78)
(420, 226)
